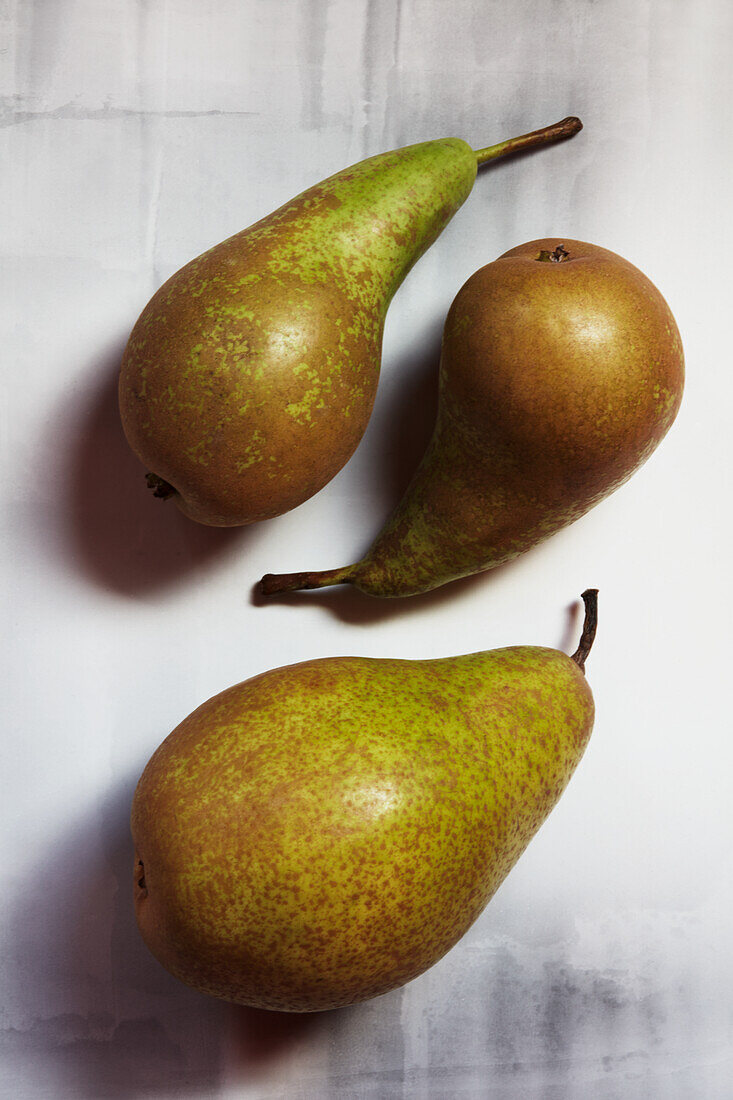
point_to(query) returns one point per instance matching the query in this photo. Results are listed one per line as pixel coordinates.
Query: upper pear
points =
(249, 378)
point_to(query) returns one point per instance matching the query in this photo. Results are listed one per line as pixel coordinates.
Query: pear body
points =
(249, 378)
(558, 379)
(325, 832)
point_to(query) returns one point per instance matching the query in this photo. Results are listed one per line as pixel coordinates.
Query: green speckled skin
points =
(558, 380)
(325, 832)
(250, 376)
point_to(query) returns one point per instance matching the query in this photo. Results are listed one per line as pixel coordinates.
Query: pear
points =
(249, 378)
(326, 831)
(561, 371)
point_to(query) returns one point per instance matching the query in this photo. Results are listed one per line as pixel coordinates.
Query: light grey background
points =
(136, 134)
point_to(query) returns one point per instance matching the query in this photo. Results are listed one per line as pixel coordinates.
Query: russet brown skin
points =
(249, 378)
(325, 832)
(561, 371)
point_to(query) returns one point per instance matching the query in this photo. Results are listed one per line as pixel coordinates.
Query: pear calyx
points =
(590, 623)
(159, 487)
(141, 886)
(555, 257)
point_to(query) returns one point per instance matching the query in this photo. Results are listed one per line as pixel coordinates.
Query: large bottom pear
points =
(325, 832)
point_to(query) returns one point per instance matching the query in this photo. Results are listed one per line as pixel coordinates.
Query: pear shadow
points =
(118, 535)
(257, 1038)
(405, 426)
(357, 608)
(571, 633)
(110, 1022)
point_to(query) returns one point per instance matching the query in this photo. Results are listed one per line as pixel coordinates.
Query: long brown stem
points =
(590, 599)
(273, 583)
(557, 132)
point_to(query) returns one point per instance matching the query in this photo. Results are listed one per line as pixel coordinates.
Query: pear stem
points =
(590, 599)
(557, 132)
(274, 583)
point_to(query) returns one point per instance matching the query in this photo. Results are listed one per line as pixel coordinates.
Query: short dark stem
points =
(590, 599)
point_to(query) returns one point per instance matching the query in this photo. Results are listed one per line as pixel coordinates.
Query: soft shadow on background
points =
(409, 418)
(76, 942)
(120, 536)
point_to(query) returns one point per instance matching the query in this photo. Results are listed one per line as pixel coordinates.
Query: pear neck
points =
(364, 228)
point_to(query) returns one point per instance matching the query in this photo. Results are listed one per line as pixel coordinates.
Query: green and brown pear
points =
(326, 831)
(561, 371)
(250, 376)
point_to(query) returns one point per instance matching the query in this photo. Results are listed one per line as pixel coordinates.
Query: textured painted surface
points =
(325, 832)
(134, 135)
(250, 377)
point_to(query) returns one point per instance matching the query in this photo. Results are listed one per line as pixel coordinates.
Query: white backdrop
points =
(134, 136)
